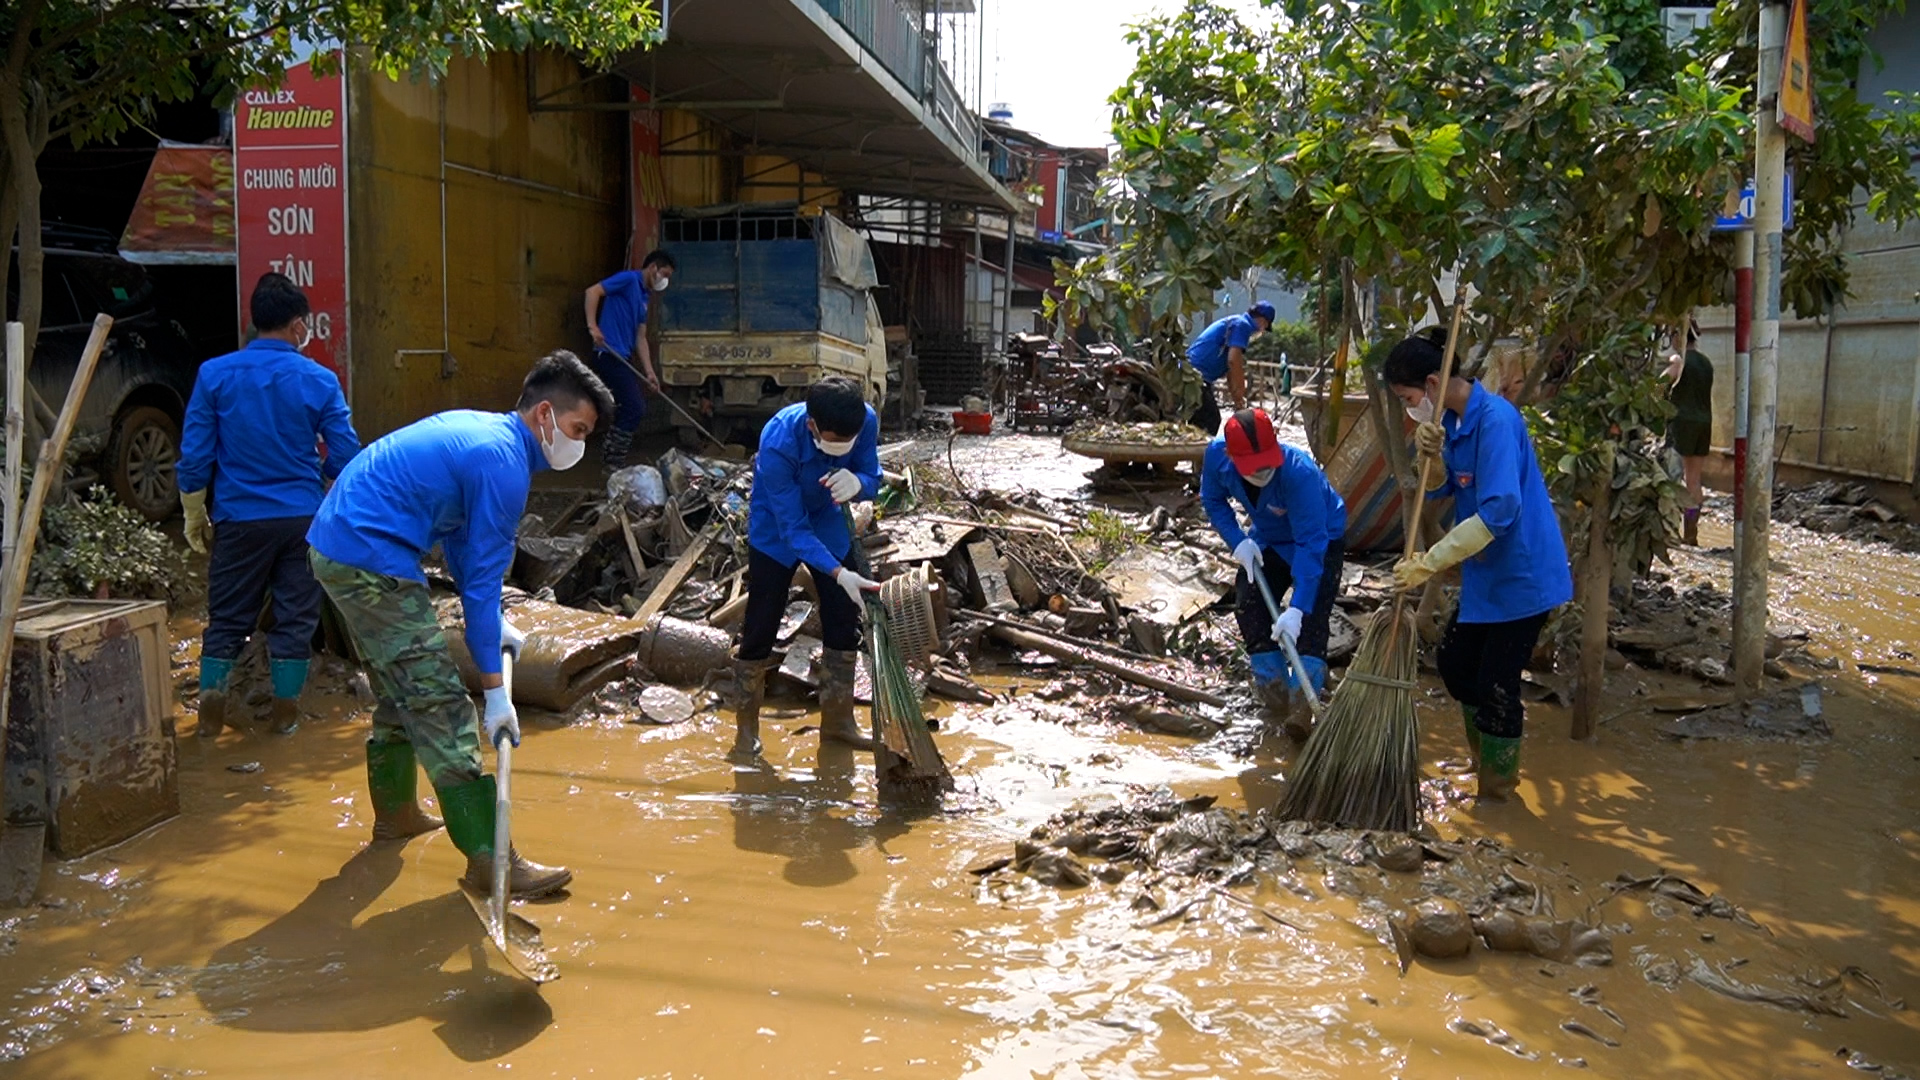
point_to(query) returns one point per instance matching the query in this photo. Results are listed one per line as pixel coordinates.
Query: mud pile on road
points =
(1184, 861)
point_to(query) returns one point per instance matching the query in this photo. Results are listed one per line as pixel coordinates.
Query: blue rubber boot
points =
(213, 695)
(1271, 678)
(1299, 722)
(289, 678)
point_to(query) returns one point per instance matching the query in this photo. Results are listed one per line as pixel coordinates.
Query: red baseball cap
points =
(1250, 442)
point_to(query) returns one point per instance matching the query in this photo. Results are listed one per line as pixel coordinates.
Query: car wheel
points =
(141, 459)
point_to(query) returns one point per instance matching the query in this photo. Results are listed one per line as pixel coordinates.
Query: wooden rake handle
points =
(1439, 411)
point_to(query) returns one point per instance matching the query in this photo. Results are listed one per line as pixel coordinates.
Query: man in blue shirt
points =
(815, 457)
(1296, 539)
(617, 319)
(1506, 541)
(457, 481)
(250, 440)
(1221, 349)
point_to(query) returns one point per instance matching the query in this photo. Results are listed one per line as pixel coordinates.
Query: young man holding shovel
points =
(457, 481)
(1506, 541)
(1297, 540)
(815, 457)
(252, 440)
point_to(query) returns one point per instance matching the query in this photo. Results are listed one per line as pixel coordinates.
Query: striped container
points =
(1358, 468)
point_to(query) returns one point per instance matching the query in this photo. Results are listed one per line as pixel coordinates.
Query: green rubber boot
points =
(1499, 767)
(213, 696)
(1467, 713)
(392, 786)
(469, 809)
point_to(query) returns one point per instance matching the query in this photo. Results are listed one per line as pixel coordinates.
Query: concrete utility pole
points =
(1742, 369)
(1769, 212)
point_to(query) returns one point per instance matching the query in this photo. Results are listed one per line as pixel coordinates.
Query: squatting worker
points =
(1221, 349)
(1506, 541)
(250, 441)
(1296, 538)
(815, 457)
(1690, 432)
(457, 480)
(617, 319)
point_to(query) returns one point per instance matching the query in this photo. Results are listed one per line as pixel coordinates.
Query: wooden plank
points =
(676, 574)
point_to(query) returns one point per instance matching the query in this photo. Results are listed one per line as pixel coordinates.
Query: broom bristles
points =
(909, 761)
(1360, 768)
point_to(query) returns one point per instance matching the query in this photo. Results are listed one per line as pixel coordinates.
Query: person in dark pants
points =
(815, 457)
(250, 440)
(617, 319)
(1221, 350)
(1506, 541)
(1690, 432)
(1296, 539)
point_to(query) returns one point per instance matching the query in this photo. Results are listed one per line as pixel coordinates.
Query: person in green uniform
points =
(1690, 432)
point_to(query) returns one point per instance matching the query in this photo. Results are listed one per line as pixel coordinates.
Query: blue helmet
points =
(1262, 310)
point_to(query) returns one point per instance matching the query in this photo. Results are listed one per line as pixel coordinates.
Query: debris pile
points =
(1839, 508)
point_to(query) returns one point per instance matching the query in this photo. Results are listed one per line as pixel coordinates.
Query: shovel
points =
(517, 939)
(1293, 654)
(23, 847)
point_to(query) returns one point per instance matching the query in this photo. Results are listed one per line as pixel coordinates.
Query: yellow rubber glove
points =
(1463, 542)
(199, 527)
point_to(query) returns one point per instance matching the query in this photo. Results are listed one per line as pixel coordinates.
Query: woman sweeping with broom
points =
(1506, 541)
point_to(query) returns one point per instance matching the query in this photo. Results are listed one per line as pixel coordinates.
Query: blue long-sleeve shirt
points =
(1296, 516)
(792, 517)
(1208, 353)
(251, 428)
(458, 479)
(623, 311)
(1492, 472)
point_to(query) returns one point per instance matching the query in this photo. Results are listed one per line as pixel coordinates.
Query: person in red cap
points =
(1296, 536)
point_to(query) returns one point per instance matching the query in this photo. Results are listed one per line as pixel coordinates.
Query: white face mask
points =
(1423, 412)
(833, 449)
(563, 451)
(1261, 477)
(306, 335)
(661, 285)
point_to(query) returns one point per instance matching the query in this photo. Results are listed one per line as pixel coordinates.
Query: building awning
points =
(846, 88)
(184, 215)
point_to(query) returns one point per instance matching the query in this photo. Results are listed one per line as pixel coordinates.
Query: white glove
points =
(512, 638)
(854, 584)
(1247, 554)
(842, 485)
(500, 717)
(1287, 627)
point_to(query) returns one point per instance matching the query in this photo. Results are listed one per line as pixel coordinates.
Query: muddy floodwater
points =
(776, 922)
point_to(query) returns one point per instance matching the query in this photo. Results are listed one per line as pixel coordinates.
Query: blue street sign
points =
(1743, 219)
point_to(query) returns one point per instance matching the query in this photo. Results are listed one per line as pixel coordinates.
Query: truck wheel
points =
(141, 458)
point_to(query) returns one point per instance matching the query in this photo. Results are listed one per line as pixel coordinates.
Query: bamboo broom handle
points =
(1440, 407)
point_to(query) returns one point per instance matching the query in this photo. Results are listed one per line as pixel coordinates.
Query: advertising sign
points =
(290, 150)
(185, 211)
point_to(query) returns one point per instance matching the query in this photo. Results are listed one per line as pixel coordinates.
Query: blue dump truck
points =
(763, 304)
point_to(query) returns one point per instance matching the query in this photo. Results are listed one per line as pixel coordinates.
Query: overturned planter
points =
(569, 654)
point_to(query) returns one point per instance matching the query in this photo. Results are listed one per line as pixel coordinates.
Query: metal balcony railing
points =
(893, 36)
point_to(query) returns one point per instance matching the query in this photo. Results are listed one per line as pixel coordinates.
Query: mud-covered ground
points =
(776, 922)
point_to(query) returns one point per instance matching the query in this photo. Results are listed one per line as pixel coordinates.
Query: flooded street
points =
(776, 922)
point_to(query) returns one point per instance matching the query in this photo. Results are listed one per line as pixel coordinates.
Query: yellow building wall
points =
(534, 209)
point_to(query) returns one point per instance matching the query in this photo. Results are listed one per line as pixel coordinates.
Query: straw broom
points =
(1361, 765)
(907, 763)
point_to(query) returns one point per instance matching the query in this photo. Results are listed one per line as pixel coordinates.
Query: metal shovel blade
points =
(22, 849)
(517, 939)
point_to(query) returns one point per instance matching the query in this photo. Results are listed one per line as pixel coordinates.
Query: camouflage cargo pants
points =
(420, 696)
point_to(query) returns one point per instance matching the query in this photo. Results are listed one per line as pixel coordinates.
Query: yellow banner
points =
(1796, 77)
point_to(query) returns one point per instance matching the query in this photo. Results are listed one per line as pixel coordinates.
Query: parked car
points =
(129, 425)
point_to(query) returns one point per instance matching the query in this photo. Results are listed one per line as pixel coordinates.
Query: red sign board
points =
(290, 150)
(649, 182)
(185, 210)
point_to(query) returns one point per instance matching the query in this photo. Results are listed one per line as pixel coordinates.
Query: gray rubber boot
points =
(836, 699)
(749, 689)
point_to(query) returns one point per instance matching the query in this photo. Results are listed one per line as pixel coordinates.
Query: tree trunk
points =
(19, 119)
(1596, 579)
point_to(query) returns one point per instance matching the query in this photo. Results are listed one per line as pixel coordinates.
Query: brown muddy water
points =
(731, 923)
